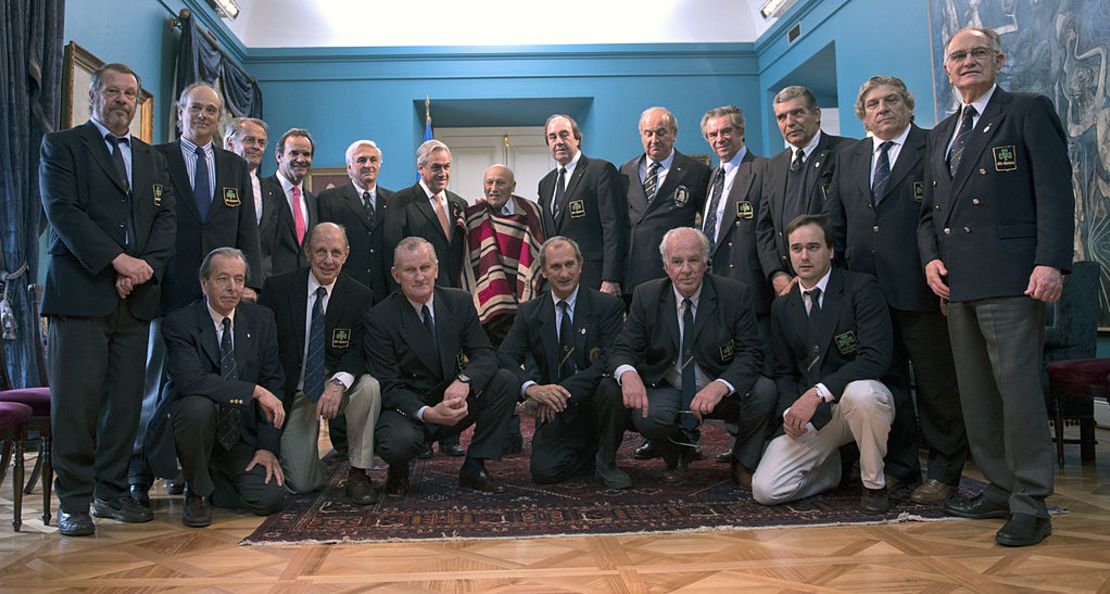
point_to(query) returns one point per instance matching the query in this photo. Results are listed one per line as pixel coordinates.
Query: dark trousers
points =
(138, 471)
(96, 391)
(568, 445)
(923, 338)
(400, 438)
(750, 412)
(212, 471)
(998, 347)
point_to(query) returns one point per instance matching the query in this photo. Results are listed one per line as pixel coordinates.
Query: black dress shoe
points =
(874, 501)
(197, 513)
(360, 489)
(514, 444)
(397, 482)
(121, 509)
(452, 448)
(647, 451)
(175, 486)
(481, 482)
(1022, 530)
(140, 494)
(724, 457)
(976, 508)
(426, 453)
(75, 524)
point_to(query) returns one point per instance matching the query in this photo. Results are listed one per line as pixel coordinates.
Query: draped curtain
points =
(30, 68)
(200, 60)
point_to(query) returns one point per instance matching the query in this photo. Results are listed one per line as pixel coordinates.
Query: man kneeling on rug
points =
(437, 370)
(831, 339)
(690, 350)
(568, 332)
(222, 358)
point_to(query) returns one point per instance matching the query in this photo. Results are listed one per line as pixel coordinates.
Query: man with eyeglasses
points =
(689, 351)
(996, 238)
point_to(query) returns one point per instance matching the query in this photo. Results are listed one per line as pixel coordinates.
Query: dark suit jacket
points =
(676, 202)
(596, 217)
(855, 339)
(287, 254)
(403, 358)
(411, 214)
(193, 363)
(230, 223)
(89, 210)
(770, 226)
(272, 203)
(598, 318)
(370, 261)
(1010, 206)
(882, 240)
(736, 253)
(344, 325)
(727, 345)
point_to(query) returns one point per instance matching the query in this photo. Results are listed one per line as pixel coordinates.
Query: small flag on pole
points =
(427, 126)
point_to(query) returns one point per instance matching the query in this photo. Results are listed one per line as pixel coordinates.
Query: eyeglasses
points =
(979, 54)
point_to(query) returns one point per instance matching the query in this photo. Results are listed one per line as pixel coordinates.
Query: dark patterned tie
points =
(709, 227)
(202, 192)
(797, 163)
(560, 193)
(117, 159)
(566, 342)
(812, 326)
(227, 419)
(960, 143)
(651, 184)
(369, 205)
(882, 173)
(689, 377)
(314, 361)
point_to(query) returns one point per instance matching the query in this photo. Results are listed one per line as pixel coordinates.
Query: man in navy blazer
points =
(246, 137)
(996, 238)
(874, 207)
(222, 358)
(294, 152)
(110, 204)
(582, 199)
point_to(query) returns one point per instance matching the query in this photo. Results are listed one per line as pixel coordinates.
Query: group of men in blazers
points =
(790, 298)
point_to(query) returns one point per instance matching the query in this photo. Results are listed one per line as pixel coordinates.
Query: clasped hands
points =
(452, 409)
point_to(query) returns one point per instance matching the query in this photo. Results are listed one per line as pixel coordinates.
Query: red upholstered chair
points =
(39, 401)
(1077, 378)
(13, 431)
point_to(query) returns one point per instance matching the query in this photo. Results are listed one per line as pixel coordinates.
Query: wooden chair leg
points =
(5, 459)
(47, 479)
(17, 484)
(1058, 422)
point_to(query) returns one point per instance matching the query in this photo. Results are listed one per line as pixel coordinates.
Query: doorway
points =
(473, 150)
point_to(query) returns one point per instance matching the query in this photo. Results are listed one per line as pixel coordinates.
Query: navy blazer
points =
(736, 253)
(402, 355)
(89, 209)
(882, 240)
(193, 364)
(727, 344)
(677, 201)
(1010, 206)
(855, 340)
(598, 319)
(272, 203)
(370, 260)
(412, 214)
(595, 216)
(286, 255)
(230, 223)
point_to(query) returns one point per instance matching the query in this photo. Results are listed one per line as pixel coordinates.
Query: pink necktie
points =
(298, 215)
(442, 214)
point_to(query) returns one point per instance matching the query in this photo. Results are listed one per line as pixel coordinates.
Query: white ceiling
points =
(361, 23)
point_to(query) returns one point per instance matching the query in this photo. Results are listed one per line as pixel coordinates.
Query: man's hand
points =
(271, 406)
(611, 287)
(545, 413)
(935, 274)
(799, 413)
(553, 396)
(447, 412)
(269, 461)
(249, 294)
(782, 283)
(708, 398)
(457, 392)
(137, 270)
(328, 405)
(634, 392)
(124, 286)
(1045, 284)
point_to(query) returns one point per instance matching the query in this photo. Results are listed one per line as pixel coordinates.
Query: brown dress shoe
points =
(481, 482)
(931, 491)
(742, 476)
(360, 489)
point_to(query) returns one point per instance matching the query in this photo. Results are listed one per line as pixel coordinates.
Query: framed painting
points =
(79, 66)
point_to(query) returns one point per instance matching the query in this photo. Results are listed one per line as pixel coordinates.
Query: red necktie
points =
(298, 215)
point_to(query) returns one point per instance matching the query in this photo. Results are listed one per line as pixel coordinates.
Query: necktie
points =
(369, 205)
(882, 173)
(797, 163)
(960, 143)
(202, 192)
(560, 191)
(652, 182)
(811, 326)
(429, 324)
(566, 342)
(709, 228)
(814, 302)
(689, 378)
(117, 158)
(298, 216)
(314, 360)
(441, 214)
(227, 419)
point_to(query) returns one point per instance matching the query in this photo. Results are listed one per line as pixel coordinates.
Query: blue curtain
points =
(200, 60)
(30, 68)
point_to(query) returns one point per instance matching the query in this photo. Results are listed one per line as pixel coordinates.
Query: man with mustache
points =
(294, 158)
(247, 137)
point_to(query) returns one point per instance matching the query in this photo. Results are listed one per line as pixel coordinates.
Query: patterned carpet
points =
(436, 508)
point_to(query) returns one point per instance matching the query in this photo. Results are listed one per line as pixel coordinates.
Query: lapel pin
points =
(987, 129)
(582, 331)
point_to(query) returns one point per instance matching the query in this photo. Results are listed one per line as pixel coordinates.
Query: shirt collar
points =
(427, 192)
(359, 191)
(734, 162)
(809, 148)
(573, 299)
(287, 185)
(694, 299)
(509, 208)
(218, 318)
(665, 164)
(897, 140)
(821, 284)
(191, 147)
(314, 284)
(980, 104)
(573, 161)
(104, 130)
(418, 306)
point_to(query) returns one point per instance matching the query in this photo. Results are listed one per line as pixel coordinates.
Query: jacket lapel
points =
(741, 187)
(353, 201)
(244, 341)
(180, 177)
(209, 343)
(446, 332)
(95, 145)
(549, 333)
(637, 200)
(707, 306)
(572, 186)
(298, 303)
(669, 316)
(908, 159)
(984, 130)
(414, 334)
(830, 310)
(583, 320)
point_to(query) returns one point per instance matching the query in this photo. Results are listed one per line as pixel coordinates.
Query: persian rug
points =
(437, 508)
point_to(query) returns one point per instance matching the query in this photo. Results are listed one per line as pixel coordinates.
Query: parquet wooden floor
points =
(948, 556)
